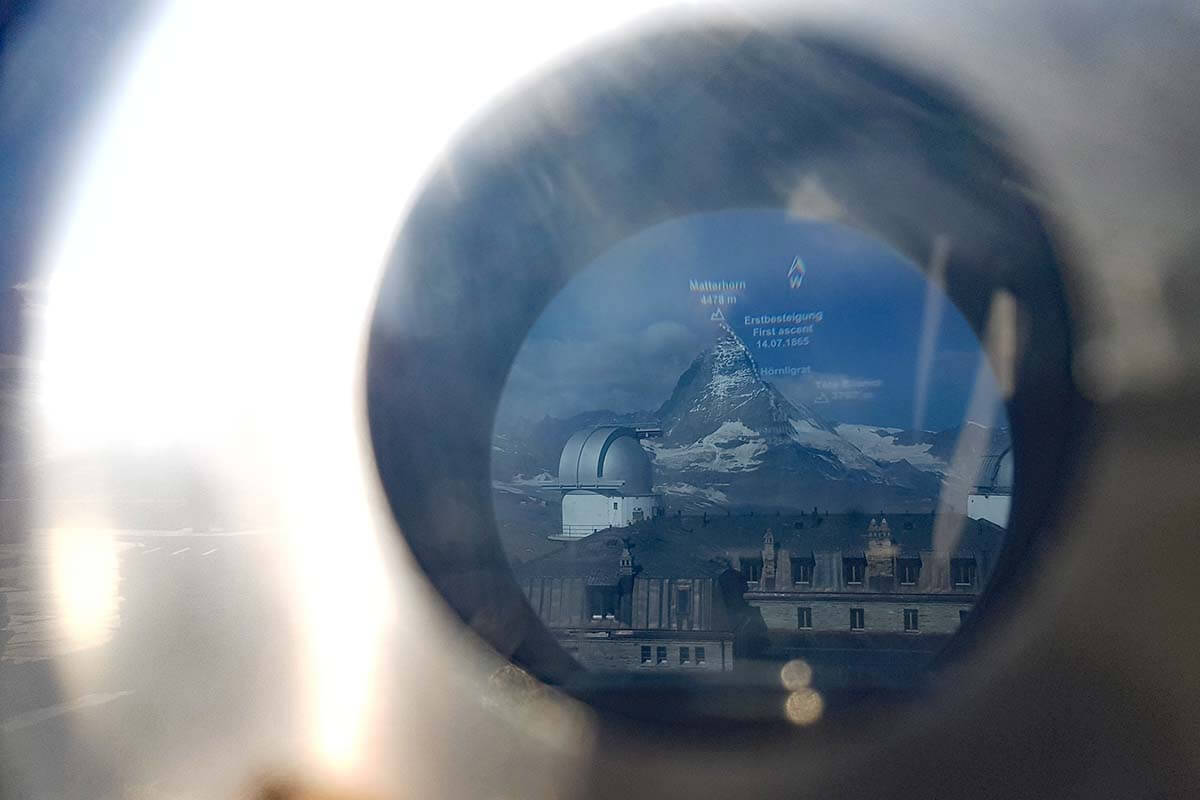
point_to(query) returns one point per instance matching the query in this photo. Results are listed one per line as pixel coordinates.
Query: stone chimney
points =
(881, 556)
(768, 558)
(626, 562)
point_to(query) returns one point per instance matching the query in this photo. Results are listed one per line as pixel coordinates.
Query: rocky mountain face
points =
(732, 440)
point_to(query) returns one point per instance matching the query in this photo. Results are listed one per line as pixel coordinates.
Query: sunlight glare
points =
(83, 584)
(210, 277)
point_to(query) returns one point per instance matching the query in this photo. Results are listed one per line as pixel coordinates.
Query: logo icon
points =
(717, 316)
(795, 273)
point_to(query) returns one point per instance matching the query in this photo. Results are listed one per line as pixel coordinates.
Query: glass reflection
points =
(742, 439)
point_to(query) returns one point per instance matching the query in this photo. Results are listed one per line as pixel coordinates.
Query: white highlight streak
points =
(31, 718)
(935, 301)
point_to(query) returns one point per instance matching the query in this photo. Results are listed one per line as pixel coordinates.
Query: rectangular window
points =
(802, 570)
(910, 619)
(699, 655)
(685, 655)
(910, 570)
(614, 506)
(661, 655)
(751, 569)
(646, 654)
(857, 619)
(853, 569)
(963, 571)
(962, 615)
(804, 618)
(683, 603)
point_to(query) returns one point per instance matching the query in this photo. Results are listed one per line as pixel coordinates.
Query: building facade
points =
(866, 602)
(611, 613)
(880, 587)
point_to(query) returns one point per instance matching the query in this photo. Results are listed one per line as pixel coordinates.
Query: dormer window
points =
(683, 603)
(802, 570)
(853, 570)
(602, 602)
(908, 570)
(962, 571)
(752, 568)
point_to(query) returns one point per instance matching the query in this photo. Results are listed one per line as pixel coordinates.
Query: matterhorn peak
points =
(729, 336)
(722, 384)
(730, 354)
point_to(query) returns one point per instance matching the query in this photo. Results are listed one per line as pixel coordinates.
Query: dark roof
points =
(568, 634)
(656, 551)
(674, 547)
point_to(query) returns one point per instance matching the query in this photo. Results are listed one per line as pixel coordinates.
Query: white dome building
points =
(606, 478)
(991, 497)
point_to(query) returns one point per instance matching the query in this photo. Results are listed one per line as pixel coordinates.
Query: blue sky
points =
(618, 336)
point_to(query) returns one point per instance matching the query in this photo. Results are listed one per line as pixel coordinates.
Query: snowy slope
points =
(731, 438)
(881, 444)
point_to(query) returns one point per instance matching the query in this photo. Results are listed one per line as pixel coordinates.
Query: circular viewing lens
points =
(709, 360)
(742, 442)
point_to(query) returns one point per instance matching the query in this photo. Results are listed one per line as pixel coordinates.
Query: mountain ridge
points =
(731, 438)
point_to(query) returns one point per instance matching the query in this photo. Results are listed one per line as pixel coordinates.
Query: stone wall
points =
(625, 653)
(880, 615)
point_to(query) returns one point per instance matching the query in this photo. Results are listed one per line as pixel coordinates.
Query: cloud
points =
(666, 338)
(623, 371)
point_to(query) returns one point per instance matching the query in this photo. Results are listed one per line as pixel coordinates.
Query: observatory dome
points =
(608, 456)
(996, 471)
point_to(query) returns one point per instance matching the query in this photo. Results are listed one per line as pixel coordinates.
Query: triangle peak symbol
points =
(717, 316)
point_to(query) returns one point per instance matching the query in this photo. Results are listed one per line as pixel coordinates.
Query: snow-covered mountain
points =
(731, 439)
(723, 416)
